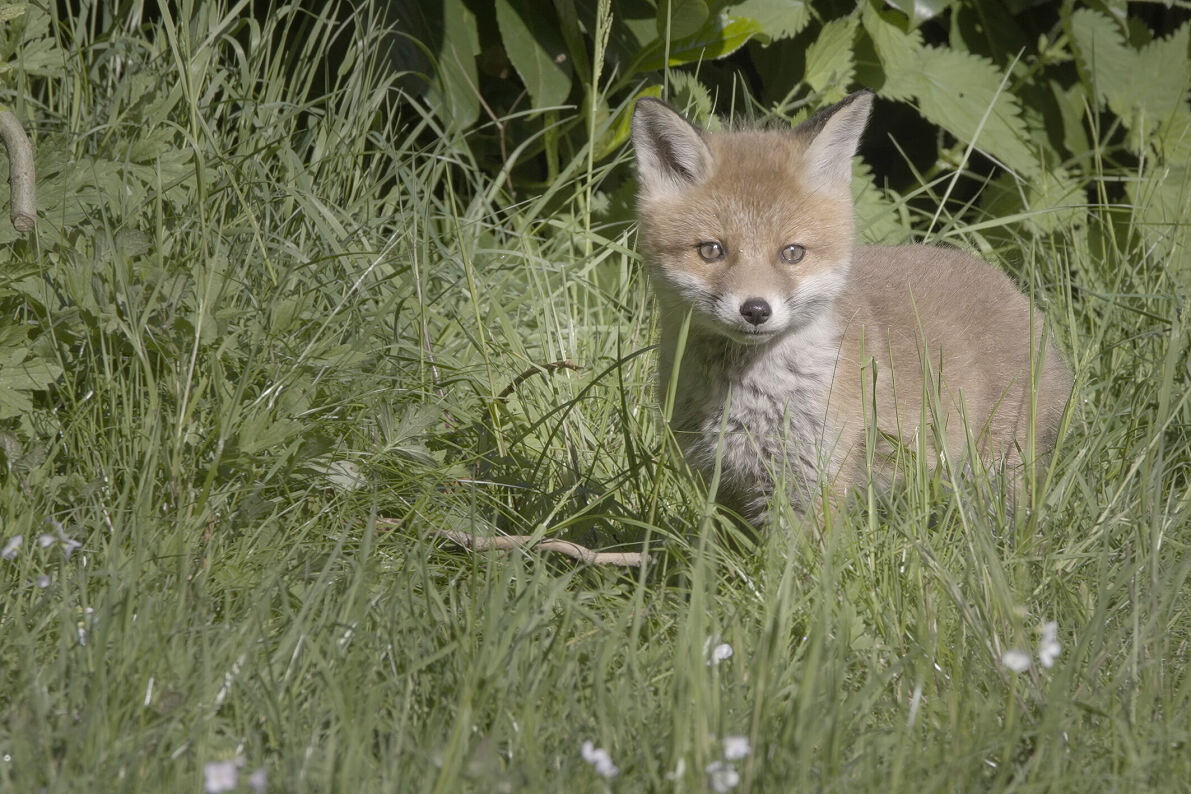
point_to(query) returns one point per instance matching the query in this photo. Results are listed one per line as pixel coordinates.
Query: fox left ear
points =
(835, 134)
(671, 153)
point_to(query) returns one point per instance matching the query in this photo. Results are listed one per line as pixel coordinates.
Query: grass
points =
(251, 324)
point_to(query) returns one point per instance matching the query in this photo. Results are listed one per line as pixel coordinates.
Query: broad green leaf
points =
(778, 19)
(691, 97)
(681, 18)
(961, 92)
(722, 35)
(1103, 56)
(829, 59)
(1143, 87)
(536, 49)
(1163, 75)
(10, 11)
(899, 54)
(29, 374)
(454, 91)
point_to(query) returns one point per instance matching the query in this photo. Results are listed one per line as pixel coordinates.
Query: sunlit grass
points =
(281, 314)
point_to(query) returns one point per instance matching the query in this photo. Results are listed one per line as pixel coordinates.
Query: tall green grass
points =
(281, 303)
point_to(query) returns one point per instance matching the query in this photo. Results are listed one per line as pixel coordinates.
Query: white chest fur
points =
(759, 410)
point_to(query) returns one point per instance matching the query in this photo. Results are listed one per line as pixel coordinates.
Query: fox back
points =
(790, 344)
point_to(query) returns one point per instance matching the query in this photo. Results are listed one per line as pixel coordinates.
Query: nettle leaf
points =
(1163, 74)
(691, 97)
(1144, 87)
(961, 92)
(1104, 58)
(778, 19)
(722, 35)
(681, 18)
(829, 60)
(536, 49)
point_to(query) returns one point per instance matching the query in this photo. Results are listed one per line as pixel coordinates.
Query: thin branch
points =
(553, 366)
(20, 172)
(633, 559)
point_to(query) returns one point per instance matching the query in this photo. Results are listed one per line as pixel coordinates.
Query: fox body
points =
(789, 343)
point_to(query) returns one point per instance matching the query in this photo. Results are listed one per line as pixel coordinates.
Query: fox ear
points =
(671, 153)
(834, 135)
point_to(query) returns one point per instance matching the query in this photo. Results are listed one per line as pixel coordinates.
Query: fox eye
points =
(792, 254)
(710, 251)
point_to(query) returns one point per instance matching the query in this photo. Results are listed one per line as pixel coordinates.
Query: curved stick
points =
(467, 540)
(20, 172)
(633, 559)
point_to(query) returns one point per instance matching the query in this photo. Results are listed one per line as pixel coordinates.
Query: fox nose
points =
(755, 310)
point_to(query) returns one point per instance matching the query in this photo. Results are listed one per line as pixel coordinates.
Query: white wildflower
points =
(599, 758)
(69, 545)
(679, 770)
(722, 776)
(736, 748)
(43, 581)
(13, 547)
(220, 776)
(721, 652)
(1048, 647)
(1016, 660)
(45, 540)
(257, 781)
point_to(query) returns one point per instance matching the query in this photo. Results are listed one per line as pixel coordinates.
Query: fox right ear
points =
(671, 153)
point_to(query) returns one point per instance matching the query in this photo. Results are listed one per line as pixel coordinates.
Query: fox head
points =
(750, 230)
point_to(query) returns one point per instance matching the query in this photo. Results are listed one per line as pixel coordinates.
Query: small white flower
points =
(220, 776)
(13, 547)
(257, 781)
(722, 776)
(1048, 647)
(45, 539)
(69, 545)
(43, 581)
(1016, 660)
(719, 653)
(736, 748)
(599, 758)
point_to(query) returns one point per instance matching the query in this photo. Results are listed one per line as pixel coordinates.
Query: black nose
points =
(755, 310)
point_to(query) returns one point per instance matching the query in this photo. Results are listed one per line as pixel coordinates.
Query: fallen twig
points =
(633, 559)
(553, 366)
(20, 172)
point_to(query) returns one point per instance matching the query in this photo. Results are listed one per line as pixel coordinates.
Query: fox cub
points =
(798, 342)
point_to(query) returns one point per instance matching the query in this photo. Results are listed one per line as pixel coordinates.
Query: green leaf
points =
(961, 92)
(722, 35)
(681, 18)
(1104, 59)
(691, 97)
(536, 49)
(454, 91)
(1143, 87)
(778, 19)
(829, 59)
(1163, 75)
